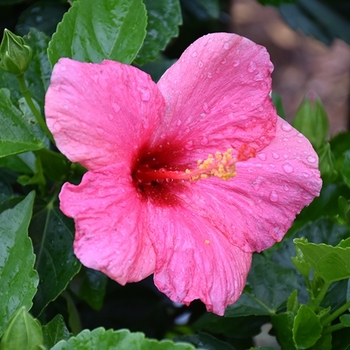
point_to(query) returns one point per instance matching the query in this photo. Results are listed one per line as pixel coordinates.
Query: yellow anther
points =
(222, 166)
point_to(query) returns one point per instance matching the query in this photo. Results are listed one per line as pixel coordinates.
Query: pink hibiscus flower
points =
(187, 177)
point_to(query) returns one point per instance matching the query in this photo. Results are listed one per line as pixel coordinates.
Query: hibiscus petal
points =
(217, 95)
(257, 207)
(195, 261)
(101, 113)
(111, 230)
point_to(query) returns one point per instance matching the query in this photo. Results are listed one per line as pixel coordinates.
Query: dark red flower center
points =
(159, 175)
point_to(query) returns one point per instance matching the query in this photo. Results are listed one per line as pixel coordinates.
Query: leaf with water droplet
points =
(115, 29)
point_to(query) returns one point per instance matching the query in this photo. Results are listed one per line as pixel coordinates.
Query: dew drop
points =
(272, 165)
(194, 54)
(286, 127)
(285, 139)
(57, 127)
(178, 123)
(251, 67)
(110, 116)
(311, 159)
(273, 197)
(286, 188)
(305, 174)
(236, 63)
(275, 155)
(300, 134)
(224, 61)
(206, 108)
(262, 156)
(145, 95)
(145, 123)
(200, 64)
(189, 145)
(116, 107)
(287, 168)
(209, 75)
(226, 46)
(204, 141)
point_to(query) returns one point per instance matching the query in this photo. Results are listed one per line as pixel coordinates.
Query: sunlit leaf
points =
(117, 340)
(93, 31)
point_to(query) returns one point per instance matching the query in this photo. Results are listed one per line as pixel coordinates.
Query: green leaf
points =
(345, 320)
(307, 328)
(92, 32)
(17, 133)
(23, 163)
(164, 18)
(318, 19)
(18, 279)
(206, 341)
(52, 235)
(90, 285)
(55, 331)
(277, 101)
(42, 15)
(116, 340)
(312, 121)
(324, 343)
(23, 332)
(345, 169)
(212, 7)
(269, 287)
(5, 188)
(55, 165)
(283, 325)
(331, 263)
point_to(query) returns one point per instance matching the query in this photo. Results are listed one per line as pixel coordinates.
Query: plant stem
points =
(335, 314)
(333, 328)
(315, 303)
(26, 94)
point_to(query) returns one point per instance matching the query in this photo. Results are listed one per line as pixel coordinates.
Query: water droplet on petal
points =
(287, 168)
(209, 75)
(145, 95)
(226, 46)
(189, 145)
(194, 54)
(116, 107)
(262, 156)
(286, 127)
(206, 108)
(275, 155)
(110, 116)
(224, 61)
(200, 64)
(311, 159)
(285, 139)
(236, 63)
(251, 67)
(305, 174)
(57, 127)
(145, 123)
(286, 188)
(204, 141)
(273, 197)
(178, 123)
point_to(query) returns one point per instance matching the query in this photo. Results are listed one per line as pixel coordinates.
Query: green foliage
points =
(18, 279)
(52, 235)
(264, 294)
(23, 332)
(324, 20)
(55, 331)
(118, 340)
(91, 32)
(164, 18)
(18, 131)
